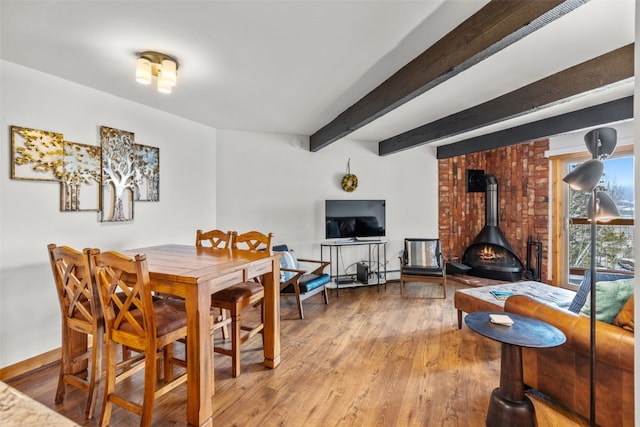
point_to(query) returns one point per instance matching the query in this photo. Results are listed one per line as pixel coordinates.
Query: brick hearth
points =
(523, 191)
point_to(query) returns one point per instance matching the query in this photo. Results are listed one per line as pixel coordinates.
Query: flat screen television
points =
(350, 219)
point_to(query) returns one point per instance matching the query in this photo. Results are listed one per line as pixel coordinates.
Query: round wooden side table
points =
(508, 405)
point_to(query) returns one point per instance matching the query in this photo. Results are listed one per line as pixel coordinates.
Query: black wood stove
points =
(490, 255)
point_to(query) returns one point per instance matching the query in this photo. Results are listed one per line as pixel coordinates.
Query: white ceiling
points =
(293, 66)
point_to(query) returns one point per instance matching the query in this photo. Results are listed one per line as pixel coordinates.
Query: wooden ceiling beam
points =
(497, 25)
(599, 72)
(608, 112)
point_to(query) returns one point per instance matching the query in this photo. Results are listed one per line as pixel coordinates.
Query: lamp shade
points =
(601, 142)
(163, 86)
(168, 72)
(586, 176)
(606, 208)
(143, 71)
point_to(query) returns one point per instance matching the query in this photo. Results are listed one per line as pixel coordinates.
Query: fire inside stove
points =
(488, 256)
(491, 254)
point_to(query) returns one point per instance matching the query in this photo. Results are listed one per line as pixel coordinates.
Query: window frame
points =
(560, 270)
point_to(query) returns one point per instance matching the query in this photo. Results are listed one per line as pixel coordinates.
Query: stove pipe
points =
(491, 200)
(491, 233)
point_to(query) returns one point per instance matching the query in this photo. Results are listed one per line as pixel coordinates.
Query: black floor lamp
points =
(601, 143)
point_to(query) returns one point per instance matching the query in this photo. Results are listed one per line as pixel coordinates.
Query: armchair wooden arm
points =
(293, 280)
(320, 268)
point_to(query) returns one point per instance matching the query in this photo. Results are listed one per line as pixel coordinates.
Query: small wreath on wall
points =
(349, 181)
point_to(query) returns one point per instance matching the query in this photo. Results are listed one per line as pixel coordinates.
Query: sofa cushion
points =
(422, 254)
(610, 298)
(581, 296)
(308, 282)
(423, 271)
(624, 318)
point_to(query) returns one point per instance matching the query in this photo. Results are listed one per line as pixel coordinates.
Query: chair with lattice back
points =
(135, 319)
(216, 239)
(81, 317)
(241, 295)
(213, 238)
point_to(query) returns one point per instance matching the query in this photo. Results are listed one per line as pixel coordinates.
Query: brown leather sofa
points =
(563, 373)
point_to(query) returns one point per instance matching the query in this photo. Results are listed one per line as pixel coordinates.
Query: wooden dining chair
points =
(216, 239)
(135, 319)
(237, 297)
(81, 313)
(213, 238)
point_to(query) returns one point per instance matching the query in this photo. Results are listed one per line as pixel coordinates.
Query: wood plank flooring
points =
(366, 359)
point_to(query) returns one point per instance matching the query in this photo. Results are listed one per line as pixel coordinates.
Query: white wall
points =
(272, 182)
(30, 216)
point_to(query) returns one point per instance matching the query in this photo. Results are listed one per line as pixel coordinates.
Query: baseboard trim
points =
(33, 363)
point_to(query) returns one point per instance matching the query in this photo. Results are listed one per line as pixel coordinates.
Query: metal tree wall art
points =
(120, 176)
(80, 186)
(106, 178)
(36, 154)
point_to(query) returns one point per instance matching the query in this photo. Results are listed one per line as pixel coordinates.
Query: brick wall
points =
(523, 198)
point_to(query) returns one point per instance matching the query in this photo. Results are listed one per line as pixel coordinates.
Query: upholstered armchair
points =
(297, 281)
(422, 261)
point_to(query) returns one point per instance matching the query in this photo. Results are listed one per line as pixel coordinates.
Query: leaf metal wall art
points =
(80, 181)
(36, 154)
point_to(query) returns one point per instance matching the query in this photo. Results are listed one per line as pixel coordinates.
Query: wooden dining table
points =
(194, 273)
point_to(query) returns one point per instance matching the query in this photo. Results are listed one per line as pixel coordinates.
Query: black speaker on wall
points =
(475, 180)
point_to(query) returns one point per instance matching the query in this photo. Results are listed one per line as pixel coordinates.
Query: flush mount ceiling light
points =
(155, 64)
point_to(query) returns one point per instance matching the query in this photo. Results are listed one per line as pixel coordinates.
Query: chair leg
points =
(167, 356)
(126, 353)
(326, 296)
(262, 320)
(401, 287)
(225, 329)
(150, 366)
(235, 342)
(110, 384)
(65, 362)
(296, 287)
(96, 373)
(300, 311)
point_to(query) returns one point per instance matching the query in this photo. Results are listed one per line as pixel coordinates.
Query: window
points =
(614, 238)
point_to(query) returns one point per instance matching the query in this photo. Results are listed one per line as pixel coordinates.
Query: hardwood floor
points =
(366, 359)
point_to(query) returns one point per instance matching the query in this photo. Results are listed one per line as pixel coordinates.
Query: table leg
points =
(272, 315)
(200, 384)
(508, 405)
